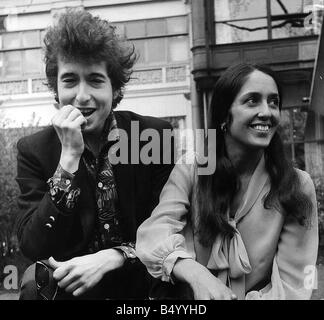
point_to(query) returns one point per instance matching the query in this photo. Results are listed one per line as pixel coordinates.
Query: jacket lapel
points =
(125, 180)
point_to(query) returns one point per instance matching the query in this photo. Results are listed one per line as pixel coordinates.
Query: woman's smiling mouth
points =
(261, 127)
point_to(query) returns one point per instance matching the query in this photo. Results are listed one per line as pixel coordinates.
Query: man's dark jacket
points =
(138, 187)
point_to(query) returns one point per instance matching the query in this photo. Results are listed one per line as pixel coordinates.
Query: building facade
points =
(280, 33)
(183, 47)
(160, 83)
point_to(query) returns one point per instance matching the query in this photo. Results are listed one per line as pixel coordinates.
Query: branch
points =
(294, 23)
(282, 6)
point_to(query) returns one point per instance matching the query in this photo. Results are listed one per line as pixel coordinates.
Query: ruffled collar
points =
(228, 255)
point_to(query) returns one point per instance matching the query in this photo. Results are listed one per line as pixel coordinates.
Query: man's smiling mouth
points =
(86, 112)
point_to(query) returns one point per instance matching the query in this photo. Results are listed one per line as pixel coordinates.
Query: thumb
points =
(53, 263)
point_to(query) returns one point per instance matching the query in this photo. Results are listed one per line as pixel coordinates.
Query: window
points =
(12, 63)
(292, 129)
(21, 54)
(31, 61)
(251, 20)
(157, 41)
(178, 49)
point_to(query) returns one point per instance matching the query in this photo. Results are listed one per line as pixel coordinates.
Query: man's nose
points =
(83, 94)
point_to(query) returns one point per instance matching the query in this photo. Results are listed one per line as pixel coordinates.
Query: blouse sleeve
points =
(160, 239)
(294, 266)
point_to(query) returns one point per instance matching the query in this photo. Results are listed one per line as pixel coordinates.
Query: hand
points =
(204, 284)
(80, 274)
(67, 124)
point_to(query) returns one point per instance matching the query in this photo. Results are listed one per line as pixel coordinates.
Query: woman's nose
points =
(264, 110)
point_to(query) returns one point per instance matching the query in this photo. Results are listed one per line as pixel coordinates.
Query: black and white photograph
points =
(161, 151)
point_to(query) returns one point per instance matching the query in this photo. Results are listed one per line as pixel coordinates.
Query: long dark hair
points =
(215, 192)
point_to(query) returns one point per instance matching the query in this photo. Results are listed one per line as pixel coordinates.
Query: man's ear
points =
(116, 94)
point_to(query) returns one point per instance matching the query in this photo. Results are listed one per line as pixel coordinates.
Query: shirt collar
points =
(110, 131)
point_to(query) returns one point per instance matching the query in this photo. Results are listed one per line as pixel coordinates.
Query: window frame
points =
(270, 18)
(21, 49)
(146, 37)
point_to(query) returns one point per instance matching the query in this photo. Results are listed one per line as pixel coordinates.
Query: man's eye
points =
(97, 80)
(68, 80)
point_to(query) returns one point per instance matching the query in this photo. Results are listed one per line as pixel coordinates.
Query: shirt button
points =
(100, 185)
(67, 181)
(52, 218)
(106, 226)
(48, 226)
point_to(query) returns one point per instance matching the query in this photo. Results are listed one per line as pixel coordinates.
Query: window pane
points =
(11, 40)
(251, 30)
(289, 28)
(156, 50)
(140, 50)
(178, 49)
(1, 64)
(12, 63)
(135, 29)
(239, 9)
(120, 28)
(177, 25)
(30, 39)
(42, 35)
(156, 27)
(32, 61)
(285, 129)
(287, 6)
(299, 124)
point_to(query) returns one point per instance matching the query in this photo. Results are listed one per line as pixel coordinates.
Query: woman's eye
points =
(274, 103)
(251, 101)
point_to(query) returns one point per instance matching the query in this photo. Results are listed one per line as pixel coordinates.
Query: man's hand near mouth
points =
(68, 123)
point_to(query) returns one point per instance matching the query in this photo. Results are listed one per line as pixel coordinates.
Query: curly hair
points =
(216, 192)
(79, 36)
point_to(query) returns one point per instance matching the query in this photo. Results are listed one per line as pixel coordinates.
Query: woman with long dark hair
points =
(249, 230)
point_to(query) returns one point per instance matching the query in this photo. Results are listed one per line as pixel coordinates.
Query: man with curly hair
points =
(79, 212)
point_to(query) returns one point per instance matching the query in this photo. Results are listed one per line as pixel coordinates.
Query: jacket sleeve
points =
(160, 240)
(294, 266)
(42, 229)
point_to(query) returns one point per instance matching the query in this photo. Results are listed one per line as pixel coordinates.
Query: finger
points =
(53, 263)
(62, 114)
(73, 286)
(79, 291)
(67, 280)
(80, 121)
(61, 272)
(75, 113)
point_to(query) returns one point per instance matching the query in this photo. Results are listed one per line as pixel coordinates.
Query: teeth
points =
(261, 127)
(87, 111)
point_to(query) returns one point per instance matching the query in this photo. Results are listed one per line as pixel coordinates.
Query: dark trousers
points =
(128, 282)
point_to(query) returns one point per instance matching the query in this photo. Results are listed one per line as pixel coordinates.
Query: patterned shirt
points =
(107, 233)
